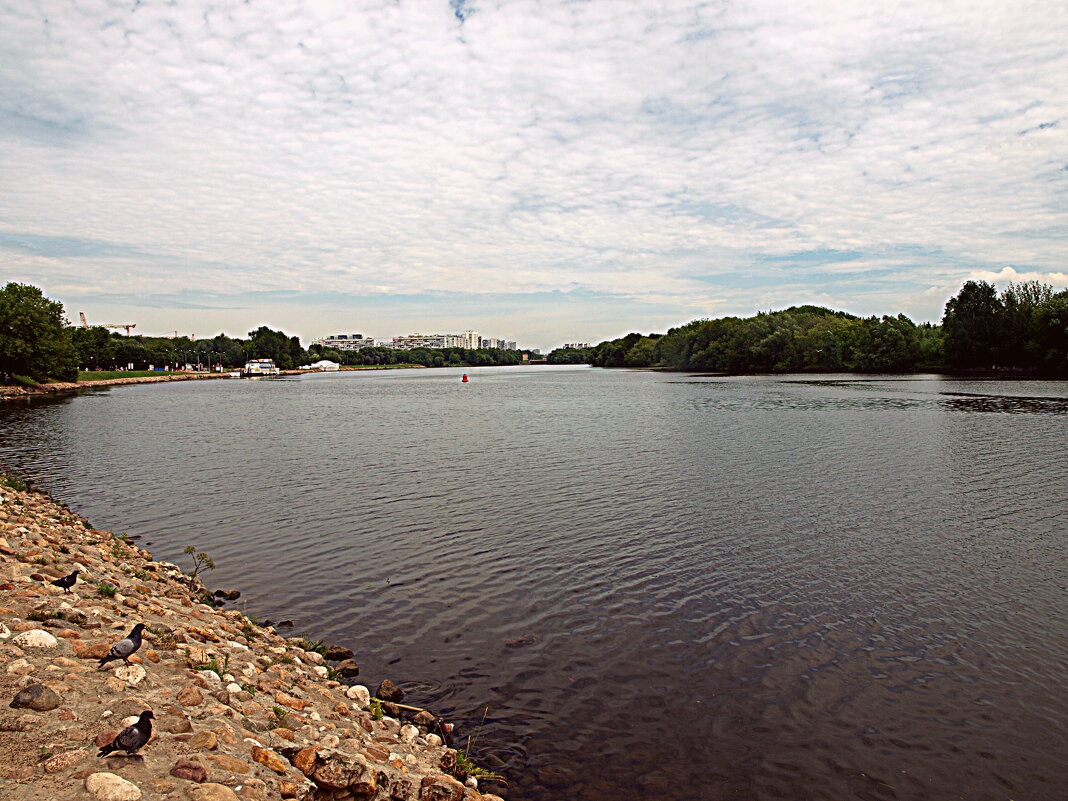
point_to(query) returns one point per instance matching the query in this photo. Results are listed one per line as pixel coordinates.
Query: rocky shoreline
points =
(241, 713)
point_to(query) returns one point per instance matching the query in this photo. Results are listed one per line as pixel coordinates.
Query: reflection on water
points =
(661, 586)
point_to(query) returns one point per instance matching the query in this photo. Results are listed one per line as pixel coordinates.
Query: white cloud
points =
(617, 149)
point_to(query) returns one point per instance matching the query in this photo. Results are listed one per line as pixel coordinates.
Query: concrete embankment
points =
(240, 712)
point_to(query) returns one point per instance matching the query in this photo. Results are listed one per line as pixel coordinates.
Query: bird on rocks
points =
(125, 648)
(67, 581)
(132, 737)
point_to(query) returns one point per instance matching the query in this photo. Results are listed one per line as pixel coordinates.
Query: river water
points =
(661, 586)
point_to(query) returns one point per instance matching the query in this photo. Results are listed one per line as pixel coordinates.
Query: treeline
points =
(1025, 328)
(428, 357)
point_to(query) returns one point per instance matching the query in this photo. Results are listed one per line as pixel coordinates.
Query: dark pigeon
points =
(124, 649)
(67, 581)
(132, 737)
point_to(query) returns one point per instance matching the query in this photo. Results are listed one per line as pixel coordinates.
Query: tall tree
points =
(971, 324)
(35, 340)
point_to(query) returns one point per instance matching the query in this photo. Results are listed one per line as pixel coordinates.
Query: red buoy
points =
(465, 378)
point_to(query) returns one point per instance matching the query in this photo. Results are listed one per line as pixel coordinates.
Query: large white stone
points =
(109, 787)
(408, 733)
(5, 632)
(20, 667)
(433, 740)
(320, 671)
(35, 638)
(313, 658)
(360, 694)
(131, 674)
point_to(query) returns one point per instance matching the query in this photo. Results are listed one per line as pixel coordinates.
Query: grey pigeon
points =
(132, 737)
(124, 649)
(67, 581)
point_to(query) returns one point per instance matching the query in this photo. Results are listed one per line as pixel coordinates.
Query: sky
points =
(549, 172)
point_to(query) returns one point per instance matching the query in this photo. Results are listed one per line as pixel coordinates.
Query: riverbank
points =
(241, 713)
(57, 387)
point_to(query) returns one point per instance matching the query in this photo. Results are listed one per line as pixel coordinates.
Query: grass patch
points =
(17, 483)
(105, 590)
(310, 645)
(41, 615)
(214, 665)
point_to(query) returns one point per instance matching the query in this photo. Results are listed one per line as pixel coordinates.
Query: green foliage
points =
(105, 590)
(310, 645)
(214, 665)
(40, 615)
(17, 483)
(34, 338)
(375, 708)
(279, 712)
(569, 356)
(201, 561)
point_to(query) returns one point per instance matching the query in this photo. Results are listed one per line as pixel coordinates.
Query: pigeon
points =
(124, 649)
(67, 581)
(132, 737)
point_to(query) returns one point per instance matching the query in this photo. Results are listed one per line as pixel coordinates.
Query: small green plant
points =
(249, 688)
(162, 635)
(376, 709)
(249, 630)
(213, 664)
(286, 659)
(46, 752)
(40, 560)
(465, 765)
(332, 674)
(87, 525)
(144, 575)
(17, 483)
(278, 712)
(105, 590)
(201, 561)
(310, 645)
(118, 550)
(64, 549)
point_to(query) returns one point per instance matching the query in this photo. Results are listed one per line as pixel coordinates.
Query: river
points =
(651, 586)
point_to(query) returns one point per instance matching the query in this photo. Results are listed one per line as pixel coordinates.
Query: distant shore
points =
(11, 393)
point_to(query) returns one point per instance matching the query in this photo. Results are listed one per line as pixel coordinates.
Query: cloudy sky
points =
(544, 171)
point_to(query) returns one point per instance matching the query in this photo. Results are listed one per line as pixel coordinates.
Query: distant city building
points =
(413, 341)
(347, 342)
(576, 345)
(470, 340)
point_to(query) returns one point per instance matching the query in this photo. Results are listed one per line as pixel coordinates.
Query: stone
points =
(305, 760)
(438, 787)
(109, 787)
(340, 770)
(287, 789)
(331, 741)
(204, 739)
(408, 733)
(193, 771)
(105, 737)
(336, 653)
(64, 761)
(313, 658)
(227, 595)
(20, 667)
(180, 725)
(131, 674)
(190, 696)
(230, 763)
(423, 718)
(37, 697)
(35, 639)
(388, 691)
(433, 740)
(290, 701)
(348, 668)
(209, 791)
(91, 650)
(268, 758)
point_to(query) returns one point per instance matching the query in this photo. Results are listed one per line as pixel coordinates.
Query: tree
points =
(35, 340)
(971, 326)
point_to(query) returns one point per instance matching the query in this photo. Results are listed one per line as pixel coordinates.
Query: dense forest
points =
(1022, 329)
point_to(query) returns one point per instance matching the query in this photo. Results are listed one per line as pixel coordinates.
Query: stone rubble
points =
(241, 713)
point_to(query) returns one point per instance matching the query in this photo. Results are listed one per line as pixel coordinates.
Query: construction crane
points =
(127, 326)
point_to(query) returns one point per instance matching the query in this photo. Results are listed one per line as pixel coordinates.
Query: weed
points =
(249, 688)
(144, 575)
(46, 752)
(213, 664)
(278, 712)
(105, 590)
(287, 659)
(201, 561)
(310, 645)
(332, 674)
(248, 629)
(118, 550)
(376, 709)
(40, 560)
(87, 525)
(162, 635)
(17, 483)
(64, 549)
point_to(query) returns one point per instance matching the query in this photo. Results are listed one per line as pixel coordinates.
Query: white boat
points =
(259, 367)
